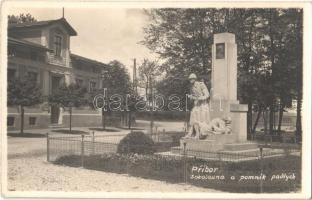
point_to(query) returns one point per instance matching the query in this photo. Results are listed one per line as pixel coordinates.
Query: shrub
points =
(136, 142)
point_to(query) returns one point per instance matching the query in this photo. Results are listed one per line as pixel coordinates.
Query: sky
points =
(104, 34)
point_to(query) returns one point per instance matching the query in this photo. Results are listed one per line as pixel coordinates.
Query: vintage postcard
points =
(177, 99)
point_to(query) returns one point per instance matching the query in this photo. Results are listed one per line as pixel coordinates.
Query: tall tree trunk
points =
(146, 87)
(271, 118)
(272, 20)
(103, 119)
(129, 120)
(299, 78)
(70, 119)
(298, 120)
(22, 119)
(280, 117)
(256, 122)
(151, 105)
(265, 123)
(249, 119)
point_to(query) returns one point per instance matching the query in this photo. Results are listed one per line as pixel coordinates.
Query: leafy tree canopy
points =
(21, 18)
(23, 91)
(71, 95)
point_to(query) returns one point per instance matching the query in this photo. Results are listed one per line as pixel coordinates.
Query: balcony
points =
(56, 60)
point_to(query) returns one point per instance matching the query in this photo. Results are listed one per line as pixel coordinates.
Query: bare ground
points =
(29, 171)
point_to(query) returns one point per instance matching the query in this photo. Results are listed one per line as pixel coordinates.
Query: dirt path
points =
(29, 171)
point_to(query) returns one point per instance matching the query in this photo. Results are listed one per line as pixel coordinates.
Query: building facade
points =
(41, 50)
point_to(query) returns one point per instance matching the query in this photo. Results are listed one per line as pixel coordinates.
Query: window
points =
(92, 86)
(32, 121)
(10, 121)
(11, 52)
(33, 75)
(57, 45)
(11, 73)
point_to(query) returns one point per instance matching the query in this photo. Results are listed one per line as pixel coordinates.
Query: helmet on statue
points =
(192, 76)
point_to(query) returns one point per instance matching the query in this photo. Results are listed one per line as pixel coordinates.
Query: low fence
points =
(188, 166)
(82, 145)
(283, 138)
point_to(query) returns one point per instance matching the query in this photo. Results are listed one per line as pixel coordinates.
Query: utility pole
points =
(135, 85)
(151, 104)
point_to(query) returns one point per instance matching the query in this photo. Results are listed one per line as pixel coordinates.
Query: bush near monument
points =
(136, 142)
(170, 169)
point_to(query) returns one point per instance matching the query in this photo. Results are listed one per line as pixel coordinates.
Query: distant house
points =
(42, 50)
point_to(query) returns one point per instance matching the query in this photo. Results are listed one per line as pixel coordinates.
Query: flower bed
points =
(171, 169)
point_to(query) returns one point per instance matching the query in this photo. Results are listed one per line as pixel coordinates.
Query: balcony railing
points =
(56, 60)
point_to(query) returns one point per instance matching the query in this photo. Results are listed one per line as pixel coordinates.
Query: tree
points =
(148, 70)
(117, 82)
(23, 92)
(69, 96)
(299, 75)
(250, 59)
(284, 53)
(269, 51)
(182, 38)
(22, 18)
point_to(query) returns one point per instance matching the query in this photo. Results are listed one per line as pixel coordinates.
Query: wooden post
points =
(48, 147)
(82, 150)
(93, 140)
(185, 164)
(70, 118)
(261, 169)
(22, 119)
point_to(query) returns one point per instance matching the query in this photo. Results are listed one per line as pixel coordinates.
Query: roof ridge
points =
(89, 59)
(43, 23)
(31, 23)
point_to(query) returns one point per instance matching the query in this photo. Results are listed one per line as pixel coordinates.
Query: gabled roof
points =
(14, 41)
(27, 25)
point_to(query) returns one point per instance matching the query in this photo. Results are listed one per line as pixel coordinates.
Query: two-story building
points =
(42, 50)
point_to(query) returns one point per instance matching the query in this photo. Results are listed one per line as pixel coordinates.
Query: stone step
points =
(240, 151)
(192, 153)
(220, 155)
(200, 145)
(222, 138)
(244, 153)
(240, 146)
(56, 126)
(176, 150)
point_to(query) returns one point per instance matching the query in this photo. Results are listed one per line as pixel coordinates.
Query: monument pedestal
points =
(238, 114)
(223, 104)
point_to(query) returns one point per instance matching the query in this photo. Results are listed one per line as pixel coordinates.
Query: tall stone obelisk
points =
(224, 67)
(224, 102)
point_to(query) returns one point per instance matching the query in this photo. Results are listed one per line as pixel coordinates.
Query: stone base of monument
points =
(218, 147)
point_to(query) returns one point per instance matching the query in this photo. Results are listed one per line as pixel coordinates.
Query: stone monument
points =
(223, 103)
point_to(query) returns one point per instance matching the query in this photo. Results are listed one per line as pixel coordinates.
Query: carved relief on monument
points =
(220, 51)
